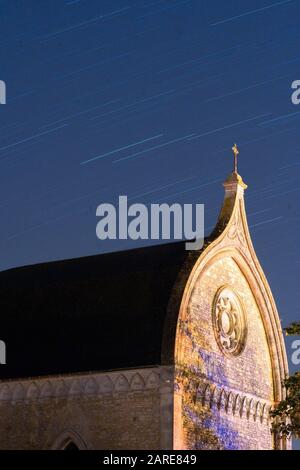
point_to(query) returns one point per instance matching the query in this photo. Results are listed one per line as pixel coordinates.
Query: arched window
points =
(70, 446)
(69, 440)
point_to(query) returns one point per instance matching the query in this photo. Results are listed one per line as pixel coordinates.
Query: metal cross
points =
(235, 153)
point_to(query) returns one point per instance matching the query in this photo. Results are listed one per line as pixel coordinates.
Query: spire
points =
(234, 192)
(234, 184)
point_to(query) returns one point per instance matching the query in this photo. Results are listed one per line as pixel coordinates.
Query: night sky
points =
(146, 98)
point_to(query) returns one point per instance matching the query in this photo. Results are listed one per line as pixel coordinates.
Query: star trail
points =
(146, 98)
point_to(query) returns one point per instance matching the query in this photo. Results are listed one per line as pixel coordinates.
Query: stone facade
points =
(229, 359)
(234, 393)
(116, 410)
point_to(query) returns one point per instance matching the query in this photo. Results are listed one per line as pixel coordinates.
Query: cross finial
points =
(235, 153)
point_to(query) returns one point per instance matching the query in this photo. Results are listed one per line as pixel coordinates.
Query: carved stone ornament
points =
(229, 322)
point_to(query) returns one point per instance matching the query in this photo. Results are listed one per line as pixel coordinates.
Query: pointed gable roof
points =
(95, 313)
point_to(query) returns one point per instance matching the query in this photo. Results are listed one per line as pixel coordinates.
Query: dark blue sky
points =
(130, 81)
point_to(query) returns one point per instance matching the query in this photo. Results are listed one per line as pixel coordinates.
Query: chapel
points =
(151, 348)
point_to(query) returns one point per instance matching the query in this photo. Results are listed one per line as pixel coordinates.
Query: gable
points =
(228, 338)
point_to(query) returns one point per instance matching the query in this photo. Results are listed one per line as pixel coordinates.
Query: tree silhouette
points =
(286, 414)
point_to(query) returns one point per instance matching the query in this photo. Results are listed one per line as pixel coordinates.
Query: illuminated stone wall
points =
(229, 350)
(223, 400)
(95, 411)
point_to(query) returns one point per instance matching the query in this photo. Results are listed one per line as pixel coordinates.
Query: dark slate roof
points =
(96, 313)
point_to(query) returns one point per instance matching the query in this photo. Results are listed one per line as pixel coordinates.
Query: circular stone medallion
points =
(229, 322)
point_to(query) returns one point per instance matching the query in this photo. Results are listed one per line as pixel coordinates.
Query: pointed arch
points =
(91, 387)
(47, 389)
(237, 405)
(33, 391)
(61, 388)
(230, 402)
(69, 438)
(75, 388)
(106, 384)
(137, 382)
(257, 410)
(152, 380)
(249, 407)
(122, 384)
